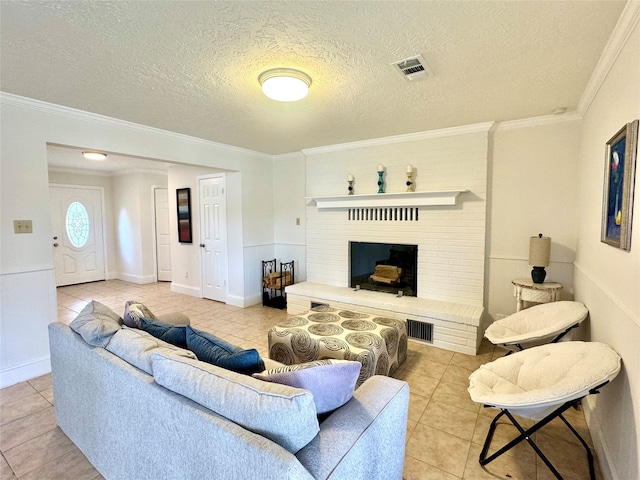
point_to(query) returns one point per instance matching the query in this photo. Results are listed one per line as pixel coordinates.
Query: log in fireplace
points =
(384, 267)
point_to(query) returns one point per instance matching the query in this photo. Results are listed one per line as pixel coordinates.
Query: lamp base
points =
(538, 274)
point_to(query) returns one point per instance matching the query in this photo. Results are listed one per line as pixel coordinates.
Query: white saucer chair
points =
(544, 323)
(541, 383)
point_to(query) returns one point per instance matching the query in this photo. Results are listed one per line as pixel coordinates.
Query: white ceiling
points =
(192, 66)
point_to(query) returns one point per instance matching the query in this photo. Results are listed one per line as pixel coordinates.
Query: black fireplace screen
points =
(384, 267)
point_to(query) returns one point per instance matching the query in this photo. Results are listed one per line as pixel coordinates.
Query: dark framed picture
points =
(183, 200)
(619, 180)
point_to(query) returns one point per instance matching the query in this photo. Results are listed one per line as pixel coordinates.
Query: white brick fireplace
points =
(450, 238)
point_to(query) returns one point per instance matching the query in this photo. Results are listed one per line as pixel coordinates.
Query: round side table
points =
(527, 291)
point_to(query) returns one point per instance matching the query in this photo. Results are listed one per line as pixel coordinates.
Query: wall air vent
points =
(413, 68)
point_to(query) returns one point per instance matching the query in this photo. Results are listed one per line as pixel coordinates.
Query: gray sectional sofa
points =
(139, 408)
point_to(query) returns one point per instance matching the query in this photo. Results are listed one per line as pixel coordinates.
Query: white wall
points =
(133, 211)
(532, 185)
(607, 279)
(450, 239)
(289, 206)
(26, 263)
(128, 217)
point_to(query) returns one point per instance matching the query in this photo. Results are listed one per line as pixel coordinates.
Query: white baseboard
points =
(186, 290)
(26, 371)
(233, 300)
(243, 302)
(140, 280)
(602, 452)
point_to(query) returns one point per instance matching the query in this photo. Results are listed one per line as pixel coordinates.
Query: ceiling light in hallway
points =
(94, 155)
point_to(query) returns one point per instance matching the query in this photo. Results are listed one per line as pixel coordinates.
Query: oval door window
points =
(77, 224)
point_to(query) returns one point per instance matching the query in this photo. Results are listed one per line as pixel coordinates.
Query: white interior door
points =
(213, 238)
(163, 244)
(78, 242)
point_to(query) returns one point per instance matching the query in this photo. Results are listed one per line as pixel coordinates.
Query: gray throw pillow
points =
(135, 346)
(331, 382)
(280, 413)
(96, 324)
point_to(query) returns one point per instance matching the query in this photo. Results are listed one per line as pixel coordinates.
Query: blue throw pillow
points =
(216, 351)
(173, 334)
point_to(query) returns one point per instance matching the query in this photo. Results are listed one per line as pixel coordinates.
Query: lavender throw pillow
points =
(331, 382)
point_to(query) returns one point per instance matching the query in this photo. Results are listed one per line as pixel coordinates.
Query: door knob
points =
(55, 238)
(55, 244)
(202, 245)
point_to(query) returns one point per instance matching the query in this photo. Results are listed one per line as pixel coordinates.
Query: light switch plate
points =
(22, 226)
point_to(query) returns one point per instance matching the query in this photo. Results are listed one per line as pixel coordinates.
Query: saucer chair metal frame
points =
(538, 323)
(554, 340)
(525, 434)
(541, 383)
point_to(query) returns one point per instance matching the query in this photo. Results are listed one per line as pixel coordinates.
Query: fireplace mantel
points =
(381, 200)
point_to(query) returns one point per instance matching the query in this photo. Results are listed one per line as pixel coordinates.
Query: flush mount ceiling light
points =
(94, 155)
(285, 84)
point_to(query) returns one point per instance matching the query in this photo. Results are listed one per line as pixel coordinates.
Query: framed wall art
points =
(619, 180)
(183, 200)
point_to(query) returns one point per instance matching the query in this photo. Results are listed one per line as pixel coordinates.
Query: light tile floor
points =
(445, 431)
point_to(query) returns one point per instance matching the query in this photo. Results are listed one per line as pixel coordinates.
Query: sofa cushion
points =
(134, 311)
(135, 346)
(216, 351)
(173, 334)
(331, 382)
(96, 324)
(280, 413)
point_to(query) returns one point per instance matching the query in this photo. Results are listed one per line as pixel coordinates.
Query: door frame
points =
(226, 230)
(104, 224)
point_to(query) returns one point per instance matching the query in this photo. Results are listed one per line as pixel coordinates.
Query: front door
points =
(78, 242)
(213, 237)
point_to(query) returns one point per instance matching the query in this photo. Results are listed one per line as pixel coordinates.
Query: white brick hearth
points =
(455, 326)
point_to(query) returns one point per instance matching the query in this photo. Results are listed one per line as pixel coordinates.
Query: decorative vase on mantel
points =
(380, 178)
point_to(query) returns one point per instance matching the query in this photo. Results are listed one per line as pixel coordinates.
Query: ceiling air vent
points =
(413, 68)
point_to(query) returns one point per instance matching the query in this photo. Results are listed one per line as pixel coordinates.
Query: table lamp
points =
(539, 255)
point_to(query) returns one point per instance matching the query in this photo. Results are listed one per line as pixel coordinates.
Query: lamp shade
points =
(539, 251)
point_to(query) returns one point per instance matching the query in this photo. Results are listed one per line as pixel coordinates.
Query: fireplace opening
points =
(384, 267)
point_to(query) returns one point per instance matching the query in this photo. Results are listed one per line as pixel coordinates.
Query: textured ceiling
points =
(192, 66)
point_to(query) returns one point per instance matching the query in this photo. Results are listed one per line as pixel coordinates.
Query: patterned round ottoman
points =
(379, 343)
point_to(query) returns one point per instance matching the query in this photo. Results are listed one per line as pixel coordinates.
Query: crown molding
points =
(617, 41)
(73, 113)
(410, 137)
(289, 156)
(538, 121)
